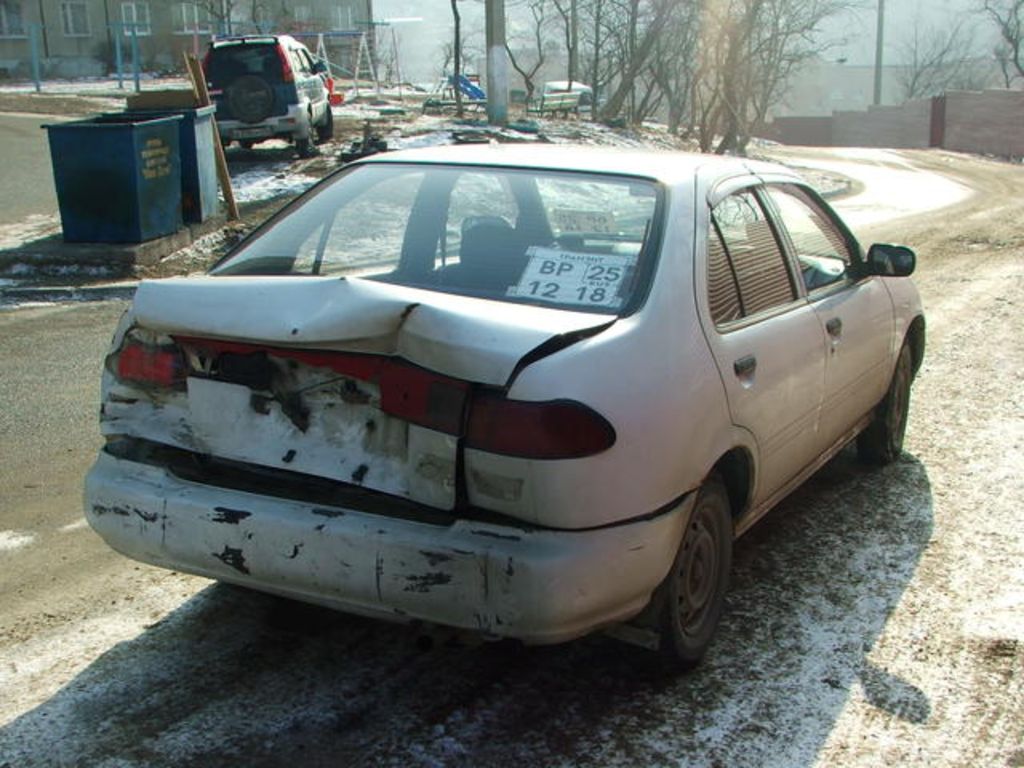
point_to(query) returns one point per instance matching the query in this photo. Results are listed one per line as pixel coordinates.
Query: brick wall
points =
(985, 122)
(907, 126)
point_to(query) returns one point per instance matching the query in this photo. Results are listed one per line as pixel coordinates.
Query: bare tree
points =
(1008, 16)
(536, 52)
(635, 43)
(673, 65)
(457, 57)
(937, 59)
(568, 11)
(749, 51)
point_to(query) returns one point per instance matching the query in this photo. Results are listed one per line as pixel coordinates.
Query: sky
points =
(420, 41)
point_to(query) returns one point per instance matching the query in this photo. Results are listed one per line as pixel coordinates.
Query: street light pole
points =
(878, 52)
(497, 64)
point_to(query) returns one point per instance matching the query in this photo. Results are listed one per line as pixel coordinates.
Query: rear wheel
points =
(304, 147)
(325, 131)
(882, 442)
(693, 594)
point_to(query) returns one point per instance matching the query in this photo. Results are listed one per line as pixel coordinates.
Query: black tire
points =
(304, 148)
(325, 132)
(693, 594)
(882, 442)
(250, 99)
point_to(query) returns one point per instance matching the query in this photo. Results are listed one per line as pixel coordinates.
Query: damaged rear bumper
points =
(541, 586)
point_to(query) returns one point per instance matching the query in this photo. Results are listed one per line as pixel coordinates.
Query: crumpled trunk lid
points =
(351, 380)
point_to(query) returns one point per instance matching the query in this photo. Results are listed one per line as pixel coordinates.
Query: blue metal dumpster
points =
(118, 179)
(198, 158)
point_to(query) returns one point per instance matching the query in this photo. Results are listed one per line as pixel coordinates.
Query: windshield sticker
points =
(589, 222)
(567, 277)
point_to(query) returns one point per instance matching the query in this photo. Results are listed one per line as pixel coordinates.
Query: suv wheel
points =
(305, 148)
(250, 98)
(325, 131)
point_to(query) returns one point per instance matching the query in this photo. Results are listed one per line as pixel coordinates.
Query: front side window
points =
(750, 255)
(820, 248)
(75, 19)
(565, 240)
(135, 16)
(11, 21)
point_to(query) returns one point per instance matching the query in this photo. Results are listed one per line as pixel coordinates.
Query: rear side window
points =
(743, 245)
(558, 239)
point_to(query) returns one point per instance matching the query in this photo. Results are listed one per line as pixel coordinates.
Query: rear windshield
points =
(230, 61)
(569, 240)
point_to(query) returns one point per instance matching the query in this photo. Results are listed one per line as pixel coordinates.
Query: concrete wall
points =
(907, 126)
(985, 122)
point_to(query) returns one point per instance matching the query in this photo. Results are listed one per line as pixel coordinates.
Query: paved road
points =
(28, 179)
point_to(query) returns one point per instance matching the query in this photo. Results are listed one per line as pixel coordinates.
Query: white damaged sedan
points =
(526, 392)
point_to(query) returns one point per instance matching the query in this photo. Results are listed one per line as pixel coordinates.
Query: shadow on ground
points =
(236, 678)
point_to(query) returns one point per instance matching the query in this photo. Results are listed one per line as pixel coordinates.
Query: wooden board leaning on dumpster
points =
(195, 73)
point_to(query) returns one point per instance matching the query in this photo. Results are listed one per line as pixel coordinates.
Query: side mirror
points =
(319, 67)
(890, 260)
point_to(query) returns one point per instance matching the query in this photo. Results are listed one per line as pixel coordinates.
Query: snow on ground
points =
(892, 186)
(275, 180)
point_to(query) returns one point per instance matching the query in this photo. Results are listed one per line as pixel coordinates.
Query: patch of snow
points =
(273, 181)
(13, 540)
(78, 525)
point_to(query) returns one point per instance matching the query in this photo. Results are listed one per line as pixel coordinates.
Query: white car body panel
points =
(531, 543)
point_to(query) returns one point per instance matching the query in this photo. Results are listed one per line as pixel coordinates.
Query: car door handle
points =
(834, 327)
(745, 366)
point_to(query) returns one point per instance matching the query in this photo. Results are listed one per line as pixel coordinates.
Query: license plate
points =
(249, 133)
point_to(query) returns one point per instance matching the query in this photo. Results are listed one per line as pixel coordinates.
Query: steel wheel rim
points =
(697, 575)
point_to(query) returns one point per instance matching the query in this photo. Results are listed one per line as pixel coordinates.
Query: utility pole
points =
(497, 64)
(878, 52)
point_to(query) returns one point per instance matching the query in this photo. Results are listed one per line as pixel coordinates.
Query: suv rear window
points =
(570, 240)
(230, 61)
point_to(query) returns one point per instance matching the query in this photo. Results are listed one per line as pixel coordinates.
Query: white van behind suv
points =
(268, 87)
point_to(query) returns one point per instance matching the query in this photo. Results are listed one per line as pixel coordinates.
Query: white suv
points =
(268, 86)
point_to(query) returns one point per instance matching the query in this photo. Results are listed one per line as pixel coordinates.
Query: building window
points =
(135, 16)
(75, 18)
(190, 18)
(11, 24)
(343, 18)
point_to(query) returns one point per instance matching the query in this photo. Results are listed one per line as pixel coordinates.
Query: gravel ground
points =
(875, 617)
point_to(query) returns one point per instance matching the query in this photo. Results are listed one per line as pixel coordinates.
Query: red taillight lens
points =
(160, 366)
(287, 75)
(557, 429)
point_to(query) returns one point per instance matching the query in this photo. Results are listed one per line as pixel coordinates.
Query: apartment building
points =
(78, 37)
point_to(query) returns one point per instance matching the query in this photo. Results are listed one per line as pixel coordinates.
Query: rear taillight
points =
(556, 429)
(286, 68)
(156, 365)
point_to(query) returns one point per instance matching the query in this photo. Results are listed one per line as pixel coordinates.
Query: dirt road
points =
(876, 618)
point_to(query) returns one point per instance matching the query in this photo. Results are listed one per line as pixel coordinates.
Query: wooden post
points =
(195, 71)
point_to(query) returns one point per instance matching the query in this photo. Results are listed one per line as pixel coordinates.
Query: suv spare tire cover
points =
(250, 98)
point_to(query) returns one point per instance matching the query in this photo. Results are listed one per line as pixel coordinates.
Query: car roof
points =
(669, 167)
(243, 39)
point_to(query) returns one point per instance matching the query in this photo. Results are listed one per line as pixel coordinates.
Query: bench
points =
(436, 105)
(555, 102)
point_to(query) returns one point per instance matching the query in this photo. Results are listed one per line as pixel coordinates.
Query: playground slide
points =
(469, 88)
